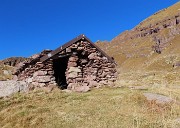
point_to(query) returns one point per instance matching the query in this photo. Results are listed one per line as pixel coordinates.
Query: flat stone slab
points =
(10, 87)
(159, 99)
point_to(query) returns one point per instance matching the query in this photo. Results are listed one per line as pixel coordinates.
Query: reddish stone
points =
(42, 79)
(40, 73)
(93, 84)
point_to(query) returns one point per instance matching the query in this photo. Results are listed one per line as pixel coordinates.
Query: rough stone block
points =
(50, 72)
(74, 69)
(42, 79)
(93, 84)
(72, 75)
(72, 64)
(73, 59)
(40, 73)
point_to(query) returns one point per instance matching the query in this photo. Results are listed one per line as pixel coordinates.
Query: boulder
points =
(8, 88)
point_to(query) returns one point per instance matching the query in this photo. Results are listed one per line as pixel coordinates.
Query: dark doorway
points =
(59, 67)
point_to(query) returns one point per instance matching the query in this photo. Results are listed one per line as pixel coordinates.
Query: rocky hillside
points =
(12, 61)
(151, 45)
(7, 66)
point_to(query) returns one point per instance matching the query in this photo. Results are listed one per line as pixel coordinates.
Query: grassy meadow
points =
(108, 107)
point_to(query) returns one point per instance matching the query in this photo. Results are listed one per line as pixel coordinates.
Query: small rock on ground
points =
(159, 99)
(81, 89)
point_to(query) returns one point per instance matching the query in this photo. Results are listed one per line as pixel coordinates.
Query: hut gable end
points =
(79, 39)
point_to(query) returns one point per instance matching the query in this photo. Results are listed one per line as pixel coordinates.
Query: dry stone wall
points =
(88, 67)
(39, 75)
(36, 73)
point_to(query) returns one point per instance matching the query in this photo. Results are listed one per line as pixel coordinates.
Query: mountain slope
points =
(151, 45)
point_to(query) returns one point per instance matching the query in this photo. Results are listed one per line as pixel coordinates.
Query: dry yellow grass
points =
(99, 108)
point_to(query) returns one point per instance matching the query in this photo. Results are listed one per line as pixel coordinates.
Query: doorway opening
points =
(59, 67)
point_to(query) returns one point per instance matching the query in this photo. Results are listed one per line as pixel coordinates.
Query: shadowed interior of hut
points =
(59, 67)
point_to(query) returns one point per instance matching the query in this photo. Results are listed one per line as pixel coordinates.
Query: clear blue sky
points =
(29, 26)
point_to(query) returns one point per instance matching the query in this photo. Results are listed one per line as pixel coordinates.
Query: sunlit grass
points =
(99, 108)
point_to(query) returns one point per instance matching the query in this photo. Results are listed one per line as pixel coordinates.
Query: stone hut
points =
(77, 63)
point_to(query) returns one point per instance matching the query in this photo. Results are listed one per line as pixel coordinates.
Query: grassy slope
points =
(101, 108)
(137, 54)
(163, 14)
